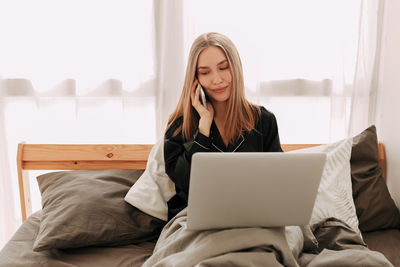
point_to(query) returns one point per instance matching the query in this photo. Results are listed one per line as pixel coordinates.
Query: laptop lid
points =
(254, 189)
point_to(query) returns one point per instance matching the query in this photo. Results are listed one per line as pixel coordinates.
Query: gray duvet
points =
(338, 245)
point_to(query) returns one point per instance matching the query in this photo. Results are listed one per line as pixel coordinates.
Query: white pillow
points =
(335, 198)
(154, 188)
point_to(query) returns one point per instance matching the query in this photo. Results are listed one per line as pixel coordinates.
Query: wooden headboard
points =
(94, 157)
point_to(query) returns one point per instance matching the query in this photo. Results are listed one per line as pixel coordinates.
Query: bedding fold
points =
(338, 245)
(178, 246)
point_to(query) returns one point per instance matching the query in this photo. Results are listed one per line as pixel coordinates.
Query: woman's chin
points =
(218, 100)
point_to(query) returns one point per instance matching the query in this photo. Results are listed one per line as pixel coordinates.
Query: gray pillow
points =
(87, 208)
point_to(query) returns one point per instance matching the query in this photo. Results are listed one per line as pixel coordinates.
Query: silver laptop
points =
(252, 189)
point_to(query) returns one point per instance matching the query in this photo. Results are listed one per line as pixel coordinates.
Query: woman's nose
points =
(217, 79)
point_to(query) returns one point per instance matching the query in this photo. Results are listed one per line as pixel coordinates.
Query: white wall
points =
(388, 108)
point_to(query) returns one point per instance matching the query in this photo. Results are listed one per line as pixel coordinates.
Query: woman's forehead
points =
(211, 56)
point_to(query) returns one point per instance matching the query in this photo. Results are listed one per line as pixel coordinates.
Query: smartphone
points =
(203, 97)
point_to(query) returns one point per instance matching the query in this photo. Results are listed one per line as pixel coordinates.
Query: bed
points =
(88, 188)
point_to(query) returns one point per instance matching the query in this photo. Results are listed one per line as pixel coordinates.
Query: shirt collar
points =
(218, 143)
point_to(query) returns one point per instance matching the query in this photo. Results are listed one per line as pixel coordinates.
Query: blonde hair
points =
(241, 114)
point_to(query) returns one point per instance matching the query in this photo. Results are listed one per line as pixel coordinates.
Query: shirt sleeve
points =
(178, 155)
(271, 142)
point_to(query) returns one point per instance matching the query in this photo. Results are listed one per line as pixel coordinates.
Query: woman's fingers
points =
(207, 112)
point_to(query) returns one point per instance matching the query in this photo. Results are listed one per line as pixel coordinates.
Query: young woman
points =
(226, 123)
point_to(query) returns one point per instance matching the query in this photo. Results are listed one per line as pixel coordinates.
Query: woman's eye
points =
(203, 73)
(225, 67)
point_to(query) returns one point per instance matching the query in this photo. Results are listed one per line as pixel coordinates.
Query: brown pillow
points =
(87, 208)
(374, 206)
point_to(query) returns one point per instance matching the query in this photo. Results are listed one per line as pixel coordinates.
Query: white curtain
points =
(170, 58)
(7, 225)
(298, 57)
(364, 91)
(72, 72)
(112, 71)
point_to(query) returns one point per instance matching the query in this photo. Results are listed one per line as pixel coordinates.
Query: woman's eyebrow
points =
(204, 67)
(223, 61)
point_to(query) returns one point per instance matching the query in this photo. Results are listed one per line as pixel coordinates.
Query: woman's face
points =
(214, 74)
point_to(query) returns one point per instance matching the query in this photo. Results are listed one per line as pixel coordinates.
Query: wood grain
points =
(85, 165)
(48, 152)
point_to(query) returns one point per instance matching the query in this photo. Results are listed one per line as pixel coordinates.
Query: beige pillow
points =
(334, 198)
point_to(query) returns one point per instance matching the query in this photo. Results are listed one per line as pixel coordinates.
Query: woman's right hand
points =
(206, 114)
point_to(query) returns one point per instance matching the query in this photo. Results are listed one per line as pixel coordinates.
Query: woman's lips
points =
(220, 90)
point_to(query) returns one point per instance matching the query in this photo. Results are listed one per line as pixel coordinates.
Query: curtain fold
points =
(8, 220)
(365, 84)
(168, 19)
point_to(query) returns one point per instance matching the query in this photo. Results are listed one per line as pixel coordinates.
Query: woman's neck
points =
(220, 110)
